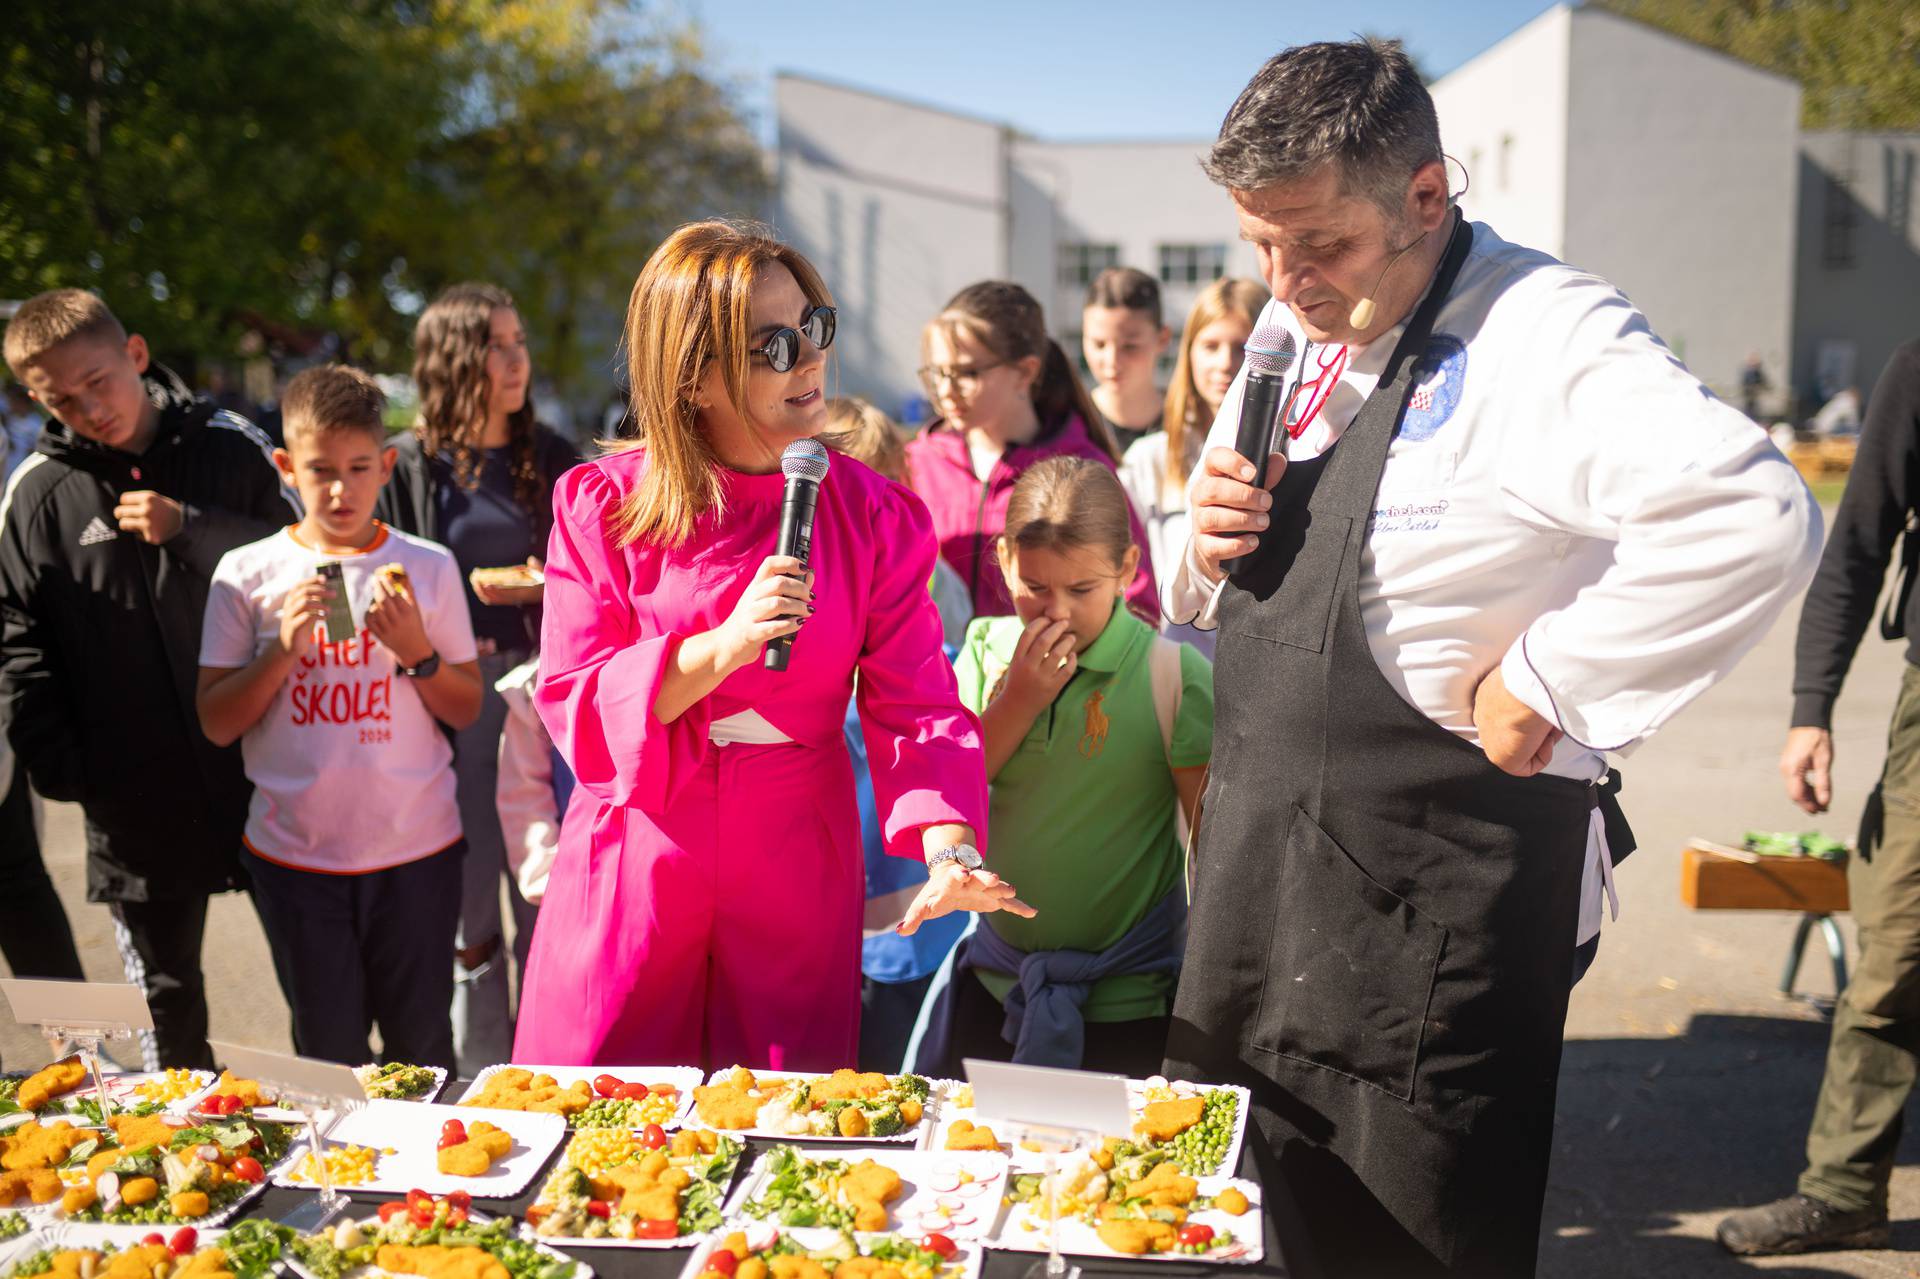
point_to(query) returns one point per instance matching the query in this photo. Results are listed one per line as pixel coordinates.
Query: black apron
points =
(1383, 925)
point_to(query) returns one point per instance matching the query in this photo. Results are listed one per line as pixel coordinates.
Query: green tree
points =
(320, 167)
(1857, 61)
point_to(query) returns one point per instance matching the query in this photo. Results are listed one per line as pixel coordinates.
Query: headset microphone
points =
(1362, 314)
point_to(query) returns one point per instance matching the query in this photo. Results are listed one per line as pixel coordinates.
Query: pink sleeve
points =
(923, 746)
(1143, 597)
(600, 671)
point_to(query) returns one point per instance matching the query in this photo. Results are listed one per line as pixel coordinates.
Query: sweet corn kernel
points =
(346, 1166)
(172, 1085)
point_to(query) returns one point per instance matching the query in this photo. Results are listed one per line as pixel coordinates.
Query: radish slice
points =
(952, 1203)
(969, 1189)
(761, 1237)
(176, 1121)
(963, 1219)
(944, 1182)
(935, 1221)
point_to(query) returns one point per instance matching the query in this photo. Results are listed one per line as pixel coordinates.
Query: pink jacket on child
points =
(969, 513)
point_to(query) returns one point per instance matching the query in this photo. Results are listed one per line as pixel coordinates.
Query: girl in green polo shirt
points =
(1091, 753)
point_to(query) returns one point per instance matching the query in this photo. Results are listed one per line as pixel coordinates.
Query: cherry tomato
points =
(183, 1241)
(599, 1208)
(647, 1228)
(940, 1244)
(248, 1169)
(722, 1261)
(631, 1092)
(417, 1196)
(388, 1211)
(154, 1237)
(422, 1214)
(1196, 1234)
(653, 1137)
(458, 1199)
(453, 1128)
(456, 1216)
(606, 1085)
(452, 1139)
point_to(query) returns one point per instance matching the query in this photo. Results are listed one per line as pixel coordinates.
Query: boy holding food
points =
(329, 651)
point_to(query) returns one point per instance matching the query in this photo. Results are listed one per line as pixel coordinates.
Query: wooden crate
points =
(1717, 877)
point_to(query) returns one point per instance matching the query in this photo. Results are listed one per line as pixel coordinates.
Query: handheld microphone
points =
(1270, 353)
(804, 463)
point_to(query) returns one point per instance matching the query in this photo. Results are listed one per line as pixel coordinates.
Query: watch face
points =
(970, 858)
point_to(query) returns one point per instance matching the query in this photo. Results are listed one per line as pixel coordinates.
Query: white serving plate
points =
(1027, 1160)
(439, 1082)
(412, 1130)
(678, 1241)
(293, 1264)
(684, 1078)
(933, 1197)
(964, 1264)
(913, 1135)
(1023, 1230)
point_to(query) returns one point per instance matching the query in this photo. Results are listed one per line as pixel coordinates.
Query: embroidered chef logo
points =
(1438, 378)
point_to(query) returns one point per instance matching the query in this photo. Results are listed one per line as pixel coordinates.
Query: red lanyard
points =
(1326, 376)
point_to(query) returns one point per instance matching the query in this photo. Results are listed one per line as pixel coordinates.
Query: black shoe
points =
(1800, 1223)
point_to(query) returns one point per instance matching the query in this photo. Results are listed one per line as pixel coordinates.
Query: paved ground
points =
(1688, 1081)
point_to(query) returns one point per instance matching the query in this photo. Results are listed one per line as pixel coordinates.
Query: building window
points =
(1192, 263)
(1836, 247)
(1079, 263)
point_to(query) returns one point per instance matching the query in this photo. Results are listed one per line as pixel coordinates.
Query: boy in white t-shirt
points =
(353, 842)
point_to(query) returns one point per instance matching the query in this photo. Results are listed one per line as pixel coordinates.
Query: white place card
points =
(77, 1005)
(1041, 1097)
(318, 1079)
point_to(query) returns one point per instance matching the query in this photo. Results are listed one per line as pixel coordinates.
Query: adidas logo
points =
(97, 532)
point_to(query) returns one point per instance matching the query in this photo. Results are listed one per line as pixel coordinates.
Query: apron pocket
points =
(1350, 970)
(1288, 595)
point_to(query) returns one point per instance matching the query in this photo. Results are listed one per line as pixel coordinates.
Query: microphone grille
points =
(1270, 350)
(804, 460)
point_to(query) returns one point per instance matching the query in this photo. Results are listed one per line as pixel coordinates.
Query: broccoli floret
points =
(885, 1121)
(914, 1086)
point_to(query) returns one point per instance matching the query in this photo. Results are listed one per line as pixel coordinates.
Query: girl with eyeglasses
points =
(1008, 397)
(476, 474)
(1213, 345)
(705, 904)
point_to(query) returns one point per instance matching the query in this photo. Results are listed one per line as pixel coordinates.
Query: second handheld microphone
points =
(1270, 353)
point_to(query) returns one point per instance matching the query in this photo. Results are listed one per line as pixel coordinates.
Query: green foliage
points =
(297, 168)
(1857, 61)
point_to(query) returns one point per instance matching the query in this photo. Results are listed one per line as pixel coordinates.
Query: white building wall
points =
(1137, 196)
(1503, 115)
(1857, 285)
(899, 206)
(1681, 187)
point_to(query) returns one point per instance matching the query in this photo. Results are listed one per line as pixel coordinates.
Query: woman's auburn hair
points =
(692, 305)
(450, 342)
(1181, 416)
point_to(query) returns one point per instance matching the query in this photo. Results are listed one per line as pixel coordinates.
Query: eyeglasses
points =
(783, 348)
(963, 378)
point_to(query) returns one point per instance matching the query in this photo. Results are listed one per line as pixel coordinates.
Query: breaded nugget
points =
(1137, 1237)
(1232, 1201)
(1164, 1120)
(43, 1085)
(44, 1185)
(467, 1159)
(870, 1180)
(247, 1090)
(134, 1131)
(495, 1141)
(966, 1135)
(741, 1078)
(724, 1106)
(440, 1262)
(1166, 1186)
(33, 1146)
(868, 1268)
(848, 1085)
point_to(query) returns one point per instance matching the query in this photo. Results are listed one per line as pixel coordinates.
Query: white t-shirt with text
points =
(351, 772)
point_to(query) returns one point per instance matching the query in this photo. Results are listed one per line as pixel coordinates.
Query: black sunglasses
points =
(783, 348)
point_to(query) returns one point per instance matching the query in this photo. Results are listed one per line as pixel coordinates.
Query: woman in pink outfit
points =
(705, 905)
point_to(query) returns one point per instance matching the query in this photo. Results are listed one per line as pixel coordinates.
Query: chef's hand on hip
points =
(1514, 736)
(1807, 766)
(1228, 508)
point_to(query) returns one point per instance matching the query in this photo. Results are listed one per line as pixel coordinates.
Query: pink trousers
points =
(725, 931)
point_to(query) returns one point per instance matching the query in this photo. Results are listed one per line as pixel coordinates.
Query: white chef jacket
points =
(1564, 500)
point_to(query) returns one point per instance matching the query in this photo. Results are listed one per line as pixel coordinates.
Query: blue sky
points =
(1068, 69)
